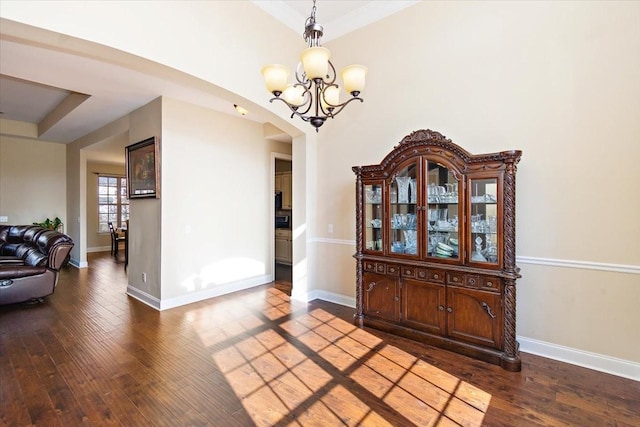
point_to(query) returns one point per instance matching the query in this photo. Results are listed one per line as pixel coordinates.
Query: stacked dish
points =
(443, 250)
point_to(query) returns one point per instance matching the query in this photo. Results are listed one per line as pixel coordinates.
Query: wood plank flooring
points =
(91, 356)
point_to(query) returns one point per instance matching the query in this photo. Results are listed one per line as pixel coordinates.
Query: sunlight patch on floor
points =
(278, 383)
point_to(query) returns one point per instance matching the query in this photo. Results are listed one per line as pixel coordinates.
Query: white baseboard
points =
(332, 297)
(599, 362)
(99, 249)
(75, 263)
(165, 304)
(85, 264)
(143, 297)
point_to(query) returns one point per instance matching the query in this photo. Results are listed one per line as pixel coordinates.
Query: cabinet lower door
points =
(423, 306)
(474, 316)
(282, 250)
(381, 296)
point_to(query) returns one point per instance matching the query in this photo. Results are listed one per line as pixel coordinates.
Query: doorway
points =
(283, 215)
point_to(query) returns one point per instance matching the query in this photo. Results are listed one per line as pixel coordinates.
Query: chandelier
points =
(315, 96)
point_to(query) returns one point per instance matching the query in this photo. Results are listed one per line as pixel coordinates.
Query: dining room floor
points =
(92, 355)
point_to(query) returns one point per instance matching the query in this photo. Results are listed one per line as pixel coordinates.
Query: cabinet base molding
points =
(488, 355)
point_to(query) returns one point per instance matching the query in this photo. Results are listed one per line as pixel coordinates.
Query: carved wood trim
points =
(359, 244)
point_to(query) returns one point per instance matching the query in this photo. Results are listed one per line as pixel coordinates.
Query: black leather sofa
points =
(30, 261)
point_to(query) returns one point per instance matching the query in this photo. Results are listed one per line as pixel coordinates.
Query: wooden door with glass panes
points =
(403, 219)
(485, 222)
(373, 211)
(444, 212)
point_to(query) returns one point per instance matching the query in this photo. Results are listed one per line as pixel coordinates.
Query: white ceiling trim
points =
(337, 24)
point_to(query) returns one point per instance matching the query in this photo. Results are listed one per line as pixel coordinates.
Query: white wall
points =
(558, 80)
(32, 180)
(216, 203)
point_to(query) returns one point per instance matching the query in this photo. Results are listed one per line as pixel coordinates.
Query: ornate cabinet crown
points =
(435, 246)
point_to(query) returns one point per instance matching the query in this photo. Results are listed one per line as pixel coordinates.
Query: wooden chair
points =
(115, 240)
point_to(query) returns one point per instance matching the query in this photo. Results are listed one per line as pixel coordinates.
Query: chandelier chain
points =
(318, 95)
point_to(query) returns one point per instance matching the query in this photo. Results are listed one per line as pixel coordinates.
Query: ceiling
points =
(65, 105)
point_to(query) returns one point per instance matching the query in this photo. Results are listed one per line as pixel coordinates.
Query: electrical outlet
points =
(4, 219)
(330, 229)
(144, 277)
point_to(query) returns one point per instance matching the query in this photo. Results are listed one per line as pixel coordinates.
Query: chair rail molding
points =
(584, 265)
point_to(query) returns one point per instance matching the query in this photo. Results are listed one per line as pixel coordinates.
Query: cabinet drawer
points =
(455, 279)
(393, 270)
(409, 272)
(491, 284)
(369, 266)
(436, 276)
(381, 268)
(472, 281)
(421, 274)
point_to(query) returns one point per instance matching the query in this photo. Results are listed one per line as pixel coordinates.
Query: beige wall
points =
(32, 180)
(98, 241)
(145, 215)
(558, 80)
(216, 201)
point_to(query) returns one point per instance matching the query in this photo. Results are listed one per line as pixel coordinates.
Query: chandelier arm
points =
(295, 108)
(314, 91)
(308, 97)
(333, 72)
(340, 107)
(301, 76)
(316, 99)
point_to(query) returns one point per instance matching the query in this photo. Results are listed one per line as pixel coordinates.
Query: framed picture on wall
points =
(143, 169)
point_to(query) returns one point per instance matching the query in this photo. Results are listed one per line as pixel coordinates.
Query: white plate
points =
(445, 247)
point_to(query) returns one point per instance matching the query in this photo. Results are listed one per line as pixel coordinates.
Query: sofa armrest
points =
(17, 271)
(58, 255)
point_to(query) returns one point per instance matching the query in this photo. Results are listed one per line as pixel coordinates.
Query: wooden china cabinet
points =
(436, 247)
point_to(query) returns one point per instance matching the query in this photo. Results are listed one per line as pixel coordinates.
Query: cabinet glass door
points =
(443, 212)
(484, 220)
(403, 193)
(373, 217)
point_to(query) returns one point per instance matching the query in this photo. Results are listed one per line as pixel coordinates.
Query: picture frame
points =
(143, 169)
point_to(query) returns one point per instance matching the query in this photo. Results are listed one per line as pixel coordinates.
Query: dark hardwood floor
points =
(90, 355)
(283, 278)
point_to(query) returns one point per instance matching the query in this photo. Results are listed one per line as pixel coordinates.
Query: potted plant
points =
(56, 224)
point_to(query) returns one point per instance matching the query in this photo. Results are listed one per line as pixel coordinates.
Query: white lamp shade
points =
(275, 77)
(315, 61)
(353, 78)
(294, 95)
(330, 96)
